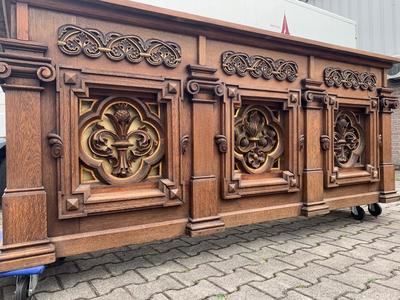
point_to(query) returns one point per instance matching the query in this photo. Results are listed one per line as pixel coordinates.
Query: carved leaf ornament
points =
(349, 141)
(258, 139)
(73, 40)
(121, 140)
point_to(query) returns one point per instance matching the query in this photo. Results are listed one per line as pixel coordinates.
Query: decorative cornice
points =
(314, 96)
(258, 66)
(349, 79)
(74, 40)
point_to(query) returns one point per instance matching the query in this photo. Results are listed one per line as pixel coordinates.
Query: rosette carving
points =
(349, 79)
(258, 139)
(121, 139)
(73, 40)
(349, 141)
(258, 66)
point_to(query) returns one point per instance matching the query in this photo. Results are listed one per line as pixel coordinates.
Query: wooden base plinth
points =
(205, 226)
(389, 197)
(314, 209)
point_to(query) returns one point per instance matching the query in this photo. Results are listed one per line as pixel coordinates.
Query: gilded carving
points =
(258, 139)
(258, 66)
(121, 139)
(349, 79)
(349, 140)
(73, 40)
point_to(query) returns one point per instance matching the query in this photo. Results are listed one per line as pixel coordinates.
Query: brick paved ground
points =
(329, 257)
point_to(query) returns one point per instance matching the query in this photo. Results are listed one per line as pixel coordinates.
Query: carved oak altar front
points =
(128, 124)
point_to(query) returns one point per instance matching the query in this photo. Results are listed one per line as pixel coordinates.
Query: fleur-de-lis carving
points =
(349, 140)
(121, 145)
(257, 139)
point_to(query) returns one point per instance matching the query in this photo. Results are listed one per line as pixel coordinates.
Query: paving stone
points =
(146, 290)
(263, 254)
(118, 293)
(380, 266)
(393, 282)
(119, 268)
(314, 240)
(338, 262)
(232, 281)
(245, 292)
(252, 235)
(326, 289)
(394, 255)
(357, 277)
(159, 297)
(160, 258)
(289, 247)
(281, 237)
(278, 286)
(325, 250)
(376, 292)
(395, 238)
(270, 267)
(229, 251)
(170, 245)
(199, 291)
(362, 253)
(293, 295)
(299, 258)
(236, 261)
(312, 272)
(346, 242)
(153, 273)
(107, 251)
(196, 249)
(105, 286)
(366, 236)
(47, 284)
(61, 268)
(382, 245)
(138, 252)
(257, 244)
(86, 264)
(194, 276)
(227, 241)
(194, 261)
(81, 290)
(303, 231)
(383, 231)
(70, 280)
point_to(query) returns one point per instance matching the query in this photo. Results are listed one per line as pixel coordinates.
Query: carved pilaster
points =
(205, 90)
(23, 70)
(387, 102)
(314, 99)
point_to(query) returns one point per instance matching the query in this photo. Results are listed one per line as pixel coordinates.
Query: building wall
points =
(396, 126)
(378, 22)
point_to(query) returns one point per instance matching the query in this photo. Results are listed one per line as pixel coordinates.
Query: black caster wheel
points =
(374, 209)
(357, 212)
(22, 288)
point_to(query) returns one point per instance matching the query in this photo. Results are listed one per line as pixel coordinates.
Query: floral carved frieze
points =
(73, 40)
(349, 140)
(257, 66)
(349, 79)
(258, 139)
(121, 140)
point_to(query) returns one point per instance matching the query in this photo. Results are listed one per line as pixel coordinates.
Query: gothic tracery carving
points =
(349, 141)
(73, 40)
(258, 66)
(258, 139)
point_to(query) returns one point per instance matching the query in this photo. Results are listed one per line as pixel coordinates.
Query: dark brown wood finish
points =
(128, 123)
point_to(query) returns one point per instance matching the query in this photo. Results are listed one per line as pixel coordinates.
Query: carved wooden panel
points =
(121, 143)
(262, 141)
(349, 79)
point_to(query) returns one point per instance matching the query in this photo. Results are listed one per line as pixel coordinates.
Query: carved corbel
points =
(221, 142)
(169, 188)
(325, 142)
(203, 78)
(373, 171)
(56, 145)
(184, 143)
(290, 178)
(387, 101)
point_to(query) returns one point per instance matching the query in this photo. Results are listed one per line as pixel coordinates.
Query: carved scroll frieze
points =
(349, 79)
(349, 141)
(73, 40)
(258, 139)
(257, 66)
(121, 139)
(56, 145)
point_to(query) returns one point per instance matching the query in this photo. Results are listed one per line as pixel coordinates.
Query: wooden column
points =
(25, 241)
(388, 102)
(206, 91)
(313, 177)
